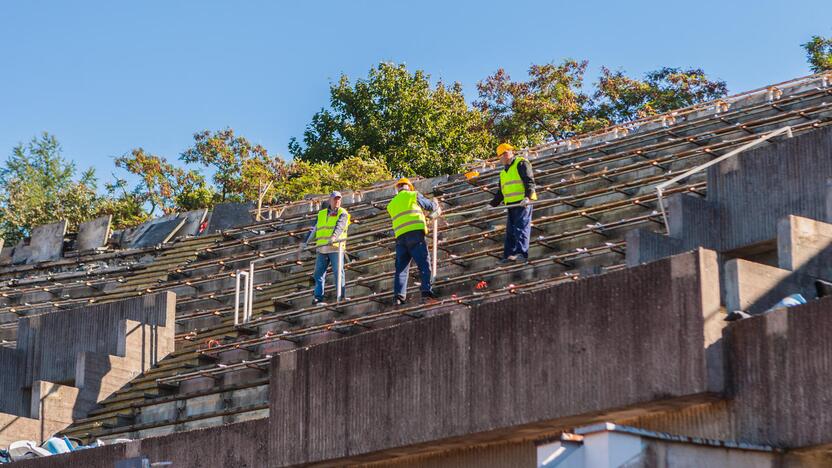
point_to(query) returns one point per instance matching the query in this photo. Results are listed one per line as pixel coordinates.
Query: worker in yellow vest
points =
(517, 190)
(328, 233)
(407, 212)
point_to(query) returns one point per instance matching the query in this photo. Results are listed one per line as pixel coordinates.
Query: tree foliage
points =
(620, 98)
(396, 116)
(39, 186)
(239, 166)
(163, 185)
(356, 172)
(552, 105)
(819, 53)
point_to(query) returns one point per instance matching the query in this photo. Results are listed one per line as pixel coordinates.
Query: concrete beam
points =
(505, 370)
(47, 242)
(805, 245)
(753, 287)
(94, 234)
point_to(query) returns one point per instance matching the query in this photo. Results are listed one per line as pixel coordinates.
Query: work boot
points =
(400, 300)
(429, 297)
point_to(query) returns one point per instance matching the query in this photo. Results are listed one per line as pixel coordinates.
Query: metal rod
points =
(435, 246)
(660, 188)
(237, 298)
(339, 274)
(480, 210)
(250, 302)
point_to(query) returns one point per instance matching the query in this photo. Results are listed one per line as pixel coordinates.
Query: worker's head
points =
(335, 200)
(404, 184)
(506, 152)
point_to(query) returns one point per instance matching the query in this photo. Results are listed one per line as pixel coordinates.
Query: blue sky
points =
(106, 77)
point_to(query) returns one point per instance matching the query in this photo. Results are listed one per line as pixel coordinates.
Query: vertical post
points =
(340, 273)
(237, 298)
(435, 247)
(250, 302)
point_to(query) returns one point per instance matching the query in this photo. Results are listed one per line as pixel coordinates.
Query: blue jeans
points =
(518, 231)
(322, 262)
(411, 246)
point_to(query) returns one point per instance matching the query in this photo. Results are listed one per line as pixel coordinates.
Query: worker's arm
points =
(309, 238)
(428, 205)
(524, 168)
(498, 198)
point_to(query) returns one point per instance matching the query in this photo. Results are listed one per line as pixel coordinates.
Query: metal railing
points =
(660, 188)
(247, 290)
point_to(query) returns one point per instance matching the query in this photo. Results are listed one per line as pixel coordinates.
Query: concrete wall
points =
(66, 362)
(527, 365)
(240, 445)
(779, 381)
(747, 196)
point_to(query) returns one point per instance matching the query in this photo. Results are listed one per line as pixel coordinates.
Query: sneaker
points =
(509, 259)
(399, 301)
(318, 302)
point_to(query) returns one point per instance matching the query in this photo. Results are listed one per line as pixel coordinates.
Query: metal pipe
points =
(435, 248)
(237, 298)
(660, 188)
(339, 283)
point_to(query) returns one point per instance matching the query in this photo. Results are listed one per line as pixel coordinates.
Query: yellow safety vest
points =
(406, 213)
(512, 185)
(325, 226)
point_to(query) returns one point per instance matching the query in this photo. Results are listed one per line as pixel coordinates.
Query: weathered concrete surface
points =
(623, 341)
(65, 362)
(748, 195)
(94, 234)
(239, 445)
(192, 221)
(754, 288)
(229, 215)
(779, 383)
(516, 454)
(805, 245)
(47, 242)
(158, 233)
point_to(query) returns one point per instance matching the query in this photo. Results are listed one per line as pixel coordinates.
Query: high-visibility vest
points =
(326, 225)
(512, 185)
(406, 213)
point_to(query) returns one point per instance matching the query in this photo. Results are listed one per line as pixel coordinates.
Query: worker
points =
(407, 212)
(517, 191)
(329, 234)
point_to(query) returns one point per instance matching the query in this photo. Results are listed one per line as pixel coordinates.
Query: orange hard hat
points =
(503, 147)
(405, 181)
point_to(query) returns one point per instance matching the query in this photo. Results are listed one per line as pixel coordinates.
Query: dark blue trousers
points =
(518, 231)
(411, 246)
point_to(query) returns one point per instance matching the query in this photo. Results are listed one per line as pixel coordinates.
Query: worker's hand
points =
(526, 201)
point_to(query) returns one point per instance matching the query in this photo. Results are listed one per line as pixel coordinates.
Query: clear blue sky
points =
(106, 77)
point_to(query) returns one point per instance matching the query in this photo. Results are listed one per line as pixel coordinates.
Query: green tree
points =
(819, 53)
(163, 185)
(305, 178)
(398, 117)
(621, 99)
(39, 186)
(550, 105)
(240, 168)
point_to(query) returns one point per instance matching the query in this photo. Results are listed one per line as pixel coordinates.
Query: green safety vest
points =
(325, 226)
(512, 185)
(406, 213)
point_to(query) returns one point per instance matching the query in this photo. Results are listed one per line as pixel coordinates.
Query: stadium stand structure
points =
(597, 215)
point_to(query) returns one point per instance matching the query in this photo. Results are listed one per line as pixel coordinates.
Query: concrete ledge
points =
(621, 343)
(779, 384)
(754, 288)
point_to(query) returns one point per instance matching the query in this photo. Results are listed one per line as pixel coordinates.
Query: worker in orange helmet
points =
(517, 191)
(407, 213)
